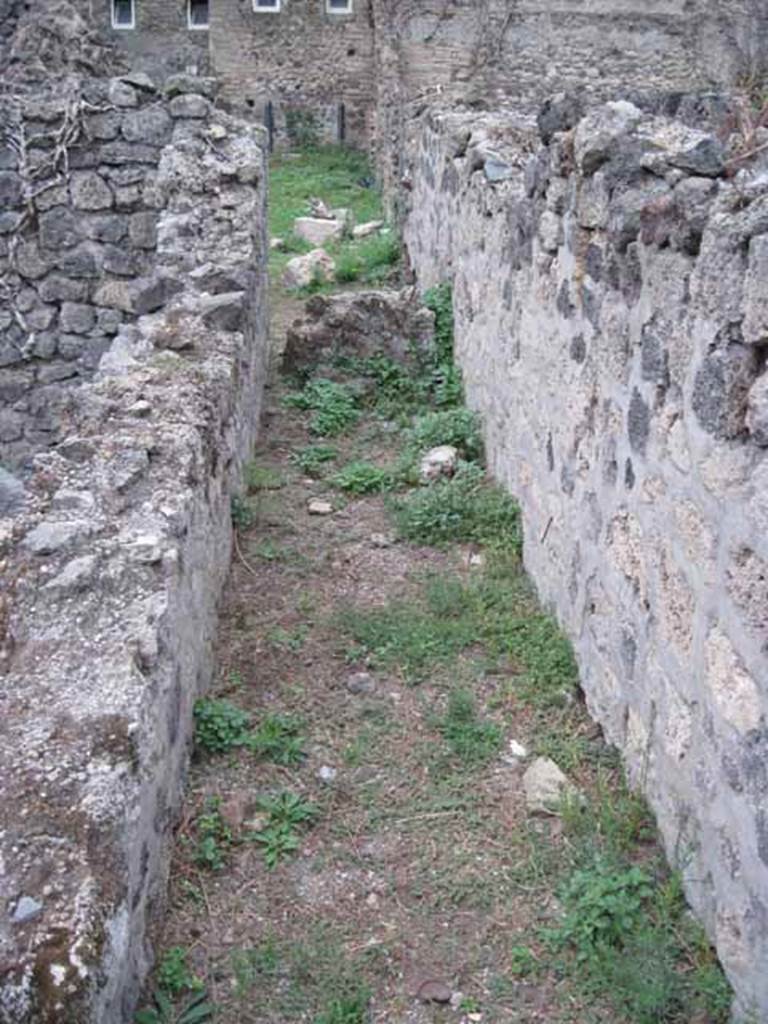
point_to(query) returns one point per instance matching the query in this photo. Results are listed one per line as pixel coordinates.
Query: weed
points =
(522, 962)
(219, 725)
(174, 974)
(349, 1008)
(278, 739)
(243, 516)
(362, 478)
(458, 427)
(213, 837)
(251, 965)
(288, 640)
(280, 837)
(314, 457)
(370, 260)
(440, 300)
(470, 739)
(262, 478)
(196, 1010)
(335, 406)
(464, 508)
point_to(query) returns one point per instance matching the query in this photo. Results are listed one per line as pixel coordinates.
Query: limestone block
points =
(546, 786)
(50, 537)
(755, 326)
(151, 125)
(757, 411)
(370, 227)
(598, 133)
(317, 231)
(121, 94)
(733, 690)
(301, 271)
(189, 105)
(550, 231)
(438, 462)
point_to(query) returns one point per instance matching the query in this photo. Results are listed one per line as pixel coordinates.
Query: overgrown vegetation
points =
(336, 407)
(471, 739)
(220, 726)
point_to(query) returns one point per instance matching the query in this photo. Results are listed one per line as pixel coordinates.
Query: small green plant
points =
(288, 640)
(251, 966)
(213, 837)
(458, 427)
(335, 406)
(464, 508)
(471, 740)
(219, 725)
(370, 260)
(280, 837)
(362, 478)
(312, 459)
(522, 962)
(196, 1010)
(262, 478)
(348, 1008)
(603, 905)
(278, 739)
(243, 516)
(174, 974)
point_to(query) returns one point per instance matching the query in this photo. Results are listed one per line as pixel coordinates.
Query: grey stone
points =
(106, 228)
(495, 170)
(225, 312)
(705, 158)
(301, 271)
(318, 231)
(189, 105)
(9, 221)
(54, 195)
(152, 125)
(29, 261)
(121, 94)
(183, 84)
(77, 318)
(70, 346)
(11, 189)
(119, 153)
(89, 191)
(360, 683)
(139, 80)
(721, 387)
(143, 229)
(103, 127)
(109, 320)
(51, 373)
(124, 261)
(638, 423)
(26, 910)
(598, 133)
(11, 426)
(50, 537)
(438, 462)
(63, 289)
(79, 262)
(757, 411)
(559, 114)
(59, 228)
(755, 302)
(12, 493)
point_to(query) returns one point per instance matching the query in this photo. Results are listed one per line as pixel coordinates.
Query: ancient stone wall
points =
(78, 235)
(512, 54)
(613, 331)
(135, 287)
(314, 68)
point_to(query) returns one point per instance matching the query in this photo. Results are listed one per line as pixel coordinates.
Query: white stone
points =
(438, 462)
(517, 749)
(546, 786)
(301, 271)
(319, 507)
(371, 227)
(317, 231)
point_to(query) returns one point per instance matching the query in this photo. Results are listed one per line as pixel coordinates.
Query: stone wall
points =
(513, 54)
(612, 326)
(78, 235)
(144, 267)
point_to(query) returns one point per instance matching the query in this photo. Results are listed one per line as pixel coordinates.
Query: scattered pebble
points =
(326, 773)
(318, 507)
(517, 750)
(434, 991)
(361, 683)
(26, 910)
(382, 540)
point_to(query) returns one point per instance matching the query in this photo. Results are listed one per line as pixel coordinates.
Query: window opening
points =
(123, 14)
(339, 6)
(266, 6)
(197, 13)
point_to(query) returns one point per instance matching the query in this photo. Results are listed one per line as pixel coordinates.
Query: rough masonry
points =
(612, 327)
(133, 363)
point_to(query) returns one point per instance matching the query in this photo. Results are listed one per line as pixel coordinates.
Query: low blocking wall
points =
(612, 326)
(115, 539)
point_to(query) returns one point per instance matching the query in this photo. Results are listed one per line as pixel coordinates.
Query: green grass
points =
(370, 260)
(313, 459)
(335, 406)
(361, 478)
(471, 739)
(458, 427)
(463, 508)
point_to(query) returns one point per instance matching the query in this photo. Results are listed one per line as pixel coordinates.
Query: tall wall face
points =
(302, 60)
(134, 276)
(613, 331)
